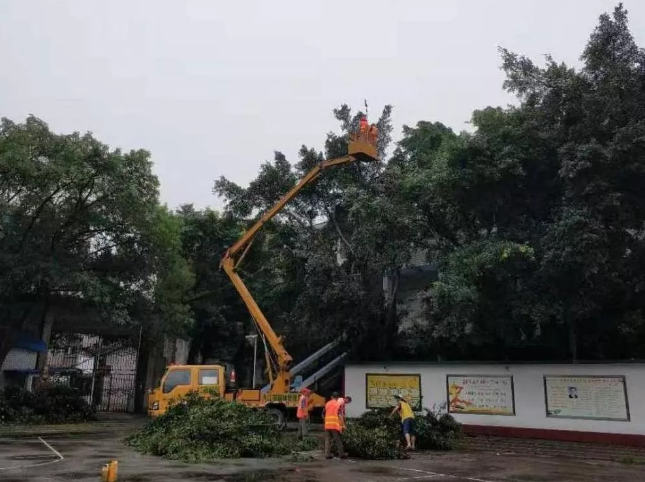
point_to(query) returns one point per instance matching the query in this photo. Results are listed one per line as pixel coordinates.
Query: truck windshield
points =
(176, 378)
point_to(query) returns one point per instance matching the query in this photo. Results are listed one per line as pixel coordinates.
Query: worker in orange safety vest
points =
(333, 427)
(373, 134)
(303, 413)
(363, 126)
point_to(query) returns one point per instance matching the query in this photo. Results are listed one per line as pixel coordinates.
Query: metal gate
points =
(103, 369)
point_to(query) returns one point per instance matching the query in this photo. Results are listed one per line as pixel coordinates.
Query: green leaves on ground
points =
(437, 430)
(377, 436)
(197, 429)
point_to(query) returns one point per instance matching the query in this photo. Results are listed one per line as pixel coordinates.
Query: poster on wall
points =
(382, 387)
(588, 397)
(481, 394)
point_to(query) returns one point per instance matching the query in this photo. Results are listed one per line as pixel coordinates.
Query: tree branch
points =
(39, 210)
(332, 217)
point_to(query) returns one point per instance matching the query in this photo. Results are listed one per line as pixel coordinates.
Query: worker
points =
(333, 428)
(373, 134)
(407, 421)
(303, 413)
(363, 127)
(342, 402)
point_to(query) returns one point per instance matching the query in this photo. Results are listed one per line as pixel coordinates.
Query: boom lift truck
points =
(277, 397)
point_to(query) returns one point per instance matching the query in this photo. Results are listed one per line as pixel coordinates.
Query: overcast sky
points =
(213, 87)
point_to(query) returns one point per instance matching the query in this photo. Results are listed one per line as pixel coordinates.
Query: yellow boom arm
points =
(362, 147)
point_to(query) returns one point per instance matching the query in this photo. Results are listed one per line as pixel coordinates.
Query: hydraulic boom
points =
(362, 147)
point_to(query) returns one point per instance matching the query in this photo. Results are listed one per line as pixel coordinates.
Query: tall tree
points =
(81, 224)
(315, 298)
(545, 212)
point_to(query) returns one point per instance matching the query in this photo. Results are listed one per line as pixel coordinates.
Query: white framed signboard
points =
(481, 394)
(586, 397)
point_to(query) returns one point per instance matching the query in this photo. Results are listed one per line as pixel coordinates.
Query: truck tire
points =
(278, 416)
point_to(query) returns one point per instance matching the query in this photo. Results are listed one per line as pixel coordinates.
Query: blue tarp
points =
(25, 341)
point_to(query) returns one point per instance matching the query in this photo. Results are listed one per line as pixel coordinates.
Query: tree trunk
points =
(393, 296)
(573, 341)
(387, 336)
(193, 353)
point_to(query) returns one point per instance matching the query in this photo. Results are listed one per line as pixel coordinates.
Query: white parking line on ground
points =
(58, 455)
(418, 477)
(431, 475)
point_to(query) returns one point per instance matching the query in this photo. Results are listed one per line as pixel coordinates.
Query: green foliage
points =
(377, 436)
(557, 176)
(214, 303)
(307, 444)
(49, 404)
(307, 294)
(197, 429)
(371, 443)
(81, 227)
(534, 221)
(437, 430)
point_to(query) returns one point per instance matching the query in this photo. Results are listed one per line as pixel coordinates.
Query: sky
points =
(212, 87)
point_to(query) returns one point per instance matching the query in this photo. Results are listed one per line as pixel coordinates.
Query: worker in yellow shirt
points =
(342, 416)
(404, 409)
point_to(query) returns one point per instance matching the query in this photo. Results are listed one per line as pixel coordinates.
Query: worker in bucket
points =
(404, 409)
(303, 413)
(363, 127)
(333, 428)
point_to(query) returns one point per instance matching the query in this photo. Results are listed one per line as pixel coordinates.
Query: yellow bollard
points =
(104, 473)
(113, 471)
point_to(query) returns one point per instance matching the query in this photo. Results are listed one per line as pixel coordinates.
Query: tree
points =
(217, 310)
(306, 293)
(81, 225)
(543, 210)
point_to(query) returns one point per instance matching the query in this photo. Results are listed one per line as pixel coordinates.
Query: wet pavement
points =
(79, 457)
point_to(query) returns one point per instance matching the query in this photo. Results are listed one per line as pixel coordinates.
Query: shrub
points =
(49, 404)
(374, 435)
(200, 429)
(7, 412)
(376, 443)
(377, 436)
(437, 430)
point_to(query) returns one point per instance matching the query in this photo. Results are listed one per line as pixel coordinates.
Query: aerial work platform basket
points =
(362, 144)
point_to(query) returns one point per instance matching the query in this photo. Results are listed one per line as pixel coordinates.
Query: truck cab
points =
(179, 380)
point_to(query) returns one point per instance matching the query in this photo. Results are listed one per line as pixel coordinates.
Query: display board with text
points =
(481, 394)
(381, 389)
(588, 397)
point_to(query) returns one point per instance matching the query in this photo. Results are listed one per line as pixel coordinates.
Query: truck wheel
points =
(278, 416)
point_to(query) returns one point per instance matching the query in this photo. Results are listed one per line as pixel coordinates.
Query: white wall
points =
(530, 409)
